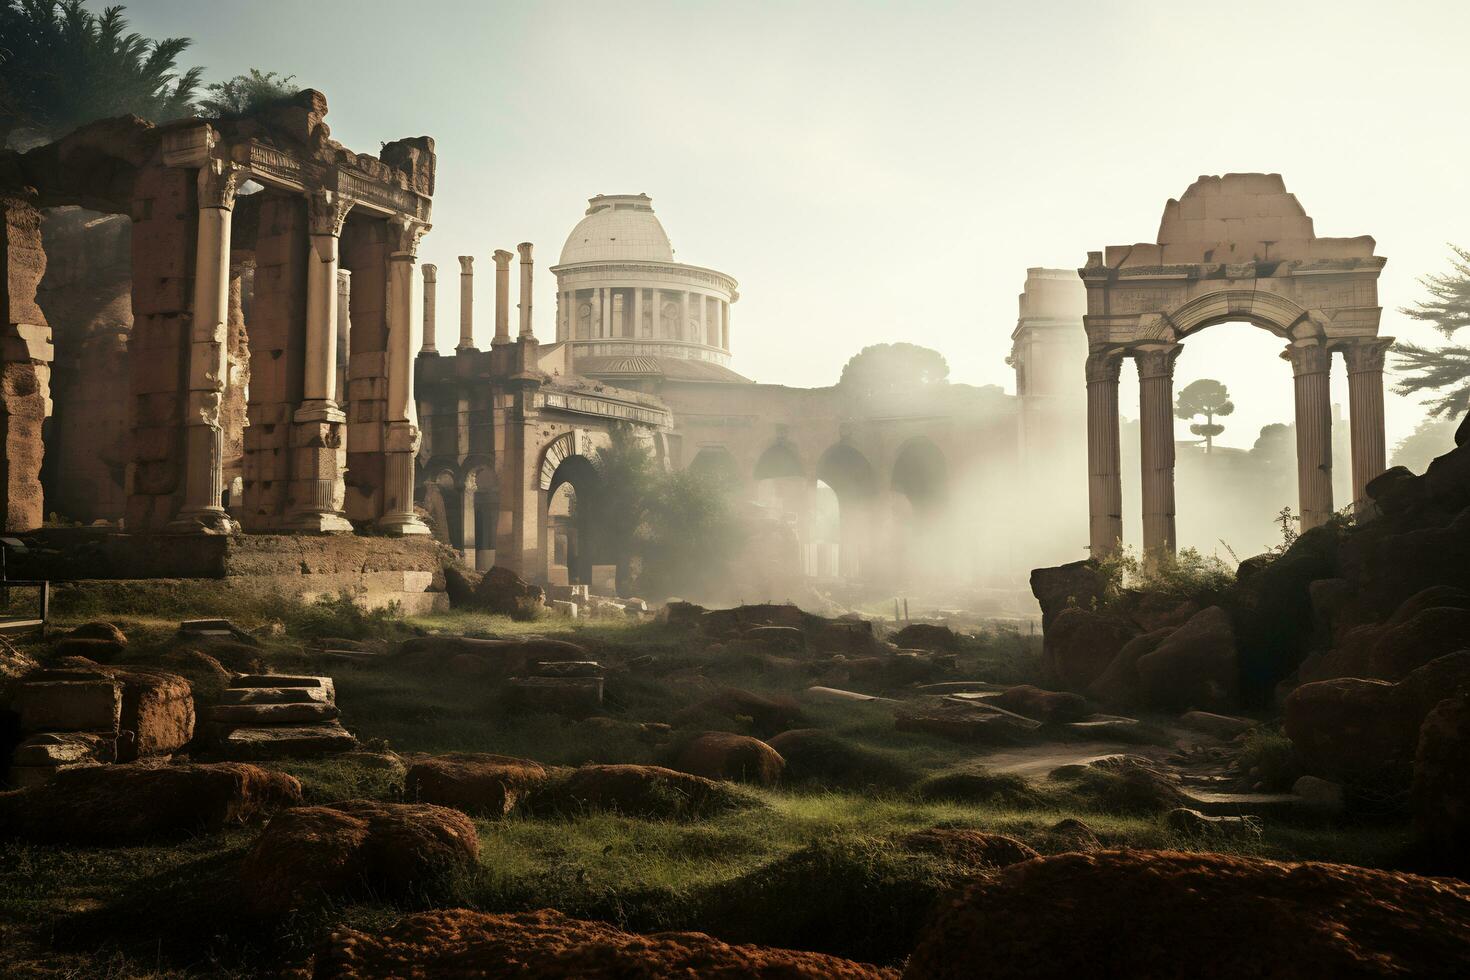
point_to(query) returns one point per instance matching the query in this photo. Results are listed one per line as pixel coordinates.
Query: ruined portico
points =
(314, 207)
(1232, 248)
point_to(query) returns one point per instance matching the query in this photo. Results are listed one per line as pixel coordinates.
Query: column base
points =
(319, 523)
(404, 525)
(205, 520)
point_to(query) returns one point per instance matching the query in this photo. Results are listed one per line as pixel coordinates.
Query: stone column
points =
(637, 312)
(431, 285)
(1156, 424)
(1365, 405)
(401, 438)
(1311, 364)
(527, 329)
(1104, 460)
(684, 315)
(343, 337)
(25, 364)
(204, 445)
(604, 310)
(502, 297)
(466, 302)
(318, 448)
(655, 325)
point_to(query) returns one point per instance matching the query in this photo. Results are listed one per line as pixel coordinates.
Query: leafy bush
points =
(1185, 575)
(341, 615)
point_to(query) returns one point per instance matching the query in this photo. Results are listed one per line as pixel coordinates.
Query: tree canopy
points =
(244, 94)
(894, 368)
(1431, 437)
(1443, 370)
(1209, 398)
(62, 66)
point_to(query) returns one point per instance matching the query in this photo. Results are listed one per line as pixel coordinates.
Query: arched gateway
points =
(1233, 248)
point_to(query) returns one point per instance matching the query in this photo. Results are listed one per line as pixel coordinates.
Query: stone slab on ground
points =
(1103, 725)
(64, 748)
(276, 695)
(283, 741)
(837, 694)
(273, 714)
(962, 687)
(1038, 760)
(1220, 726)
(1243, 804)
(556, 693)
(285, 680)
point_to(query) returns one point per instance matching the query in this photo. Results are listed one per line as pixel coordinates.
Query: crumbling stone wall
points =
(87, 298)
(277, 360)
(163, 283)
(25, 364)
(365, 250)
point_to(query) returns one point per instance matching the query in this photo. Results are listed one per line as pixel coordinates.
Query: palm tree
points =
(62, 66)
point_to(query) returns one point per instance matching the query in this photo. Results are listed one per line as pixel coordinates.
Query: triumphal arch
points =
(1232, 248)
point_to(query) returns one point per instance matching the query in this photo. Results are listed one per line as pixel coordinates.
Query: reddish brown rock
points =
(1194, 667)
(973, 847)
(314, 853)
(475, 782)
(1441, 787)
(1117, 686)
(124, 803)
(1079, 645)
(1051, 707)
(1206, 915)
(548, 944)
(646, 791)
(505, 593)
(721, 755)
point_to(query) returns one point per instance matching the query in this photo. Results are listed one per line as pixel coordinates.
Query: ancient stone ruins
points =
(427, 730)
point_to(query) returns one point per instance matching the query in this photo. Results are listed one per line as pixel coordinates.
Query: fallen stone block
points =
(478, 783)
(560, 694)
(125, 803)
(285, 680)
(276, 695)
(1220, 726)
(272, 714)
(68, 706)
(283, 742)
(64, 748)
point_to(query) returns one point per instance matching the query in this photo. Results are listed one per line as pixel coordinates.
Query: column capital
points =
(403, 237)
(1157, 362)
(1104, 365)
(1311, 357)
(1364, 354)
(502, 258)
(326, 211)
(218, 183)
(431, 272)
(466, 265)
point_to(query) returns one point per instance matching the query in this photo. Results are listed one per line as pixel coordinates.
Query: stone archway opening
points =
(571, 538)
(1232, 248)
(919, 545)
(481, 508)
(850, 475)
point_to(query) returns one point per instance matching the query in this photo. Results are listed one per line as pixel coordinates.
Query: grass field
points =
(816, 865)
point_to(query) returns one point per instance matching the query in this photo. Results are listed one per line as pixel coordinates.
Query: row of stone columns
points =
(467, 300)
(608, 303)
(1311, 362)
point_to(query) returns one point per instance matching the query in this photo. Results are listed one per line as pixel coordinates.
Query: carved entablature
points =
(277, 168)
(1233, 248)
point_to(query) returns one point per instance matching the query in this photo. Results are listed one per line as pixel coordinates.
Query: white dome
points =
(618, 227)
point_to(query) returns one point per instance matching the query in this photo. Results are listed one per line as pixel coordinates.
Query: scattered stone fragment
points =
(120, 804)
(722, 755)
(284, 741)
(310, 854)
(478, 783)
(565, 695)
(1220, 726)
(647, 791)
(927, 636)
(963, 721)
(1208, 915)
(548, 944)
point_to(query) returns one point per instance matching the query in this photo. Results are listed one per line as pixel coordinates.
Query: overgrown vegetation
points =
(247, 93)
(62, 66)
(1187, 574)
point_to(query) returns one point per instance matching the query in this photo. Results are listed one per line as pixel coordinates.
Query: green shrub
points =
(1269, 756)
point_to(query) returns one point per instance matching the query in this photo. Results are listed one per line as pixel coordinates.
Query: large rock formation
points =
(548, 944)
(1205, 915)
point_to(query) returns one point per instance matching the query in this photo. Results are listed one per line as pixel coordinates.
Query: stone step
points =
(284, 680)
(1253, 804)
(284, 741)
(64, 748)
(276, 695)
(272, 714)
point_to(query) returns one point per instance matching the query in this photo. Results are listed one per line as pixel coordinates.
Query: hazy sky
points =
(887, 171)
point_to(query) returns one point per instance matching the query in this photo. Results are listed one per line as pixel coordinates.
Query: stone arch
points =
(851, 477)
(779, 460)
(481, 509)
(1231, 248)
(921, 473)
(717, 463)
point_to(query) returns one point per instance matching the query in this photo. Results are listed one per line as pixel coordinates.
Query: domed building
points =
(630, 314)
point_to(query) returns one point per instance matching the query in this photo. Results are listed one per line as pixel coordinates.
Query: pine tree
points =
(1209, 398)
(1444, 370)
